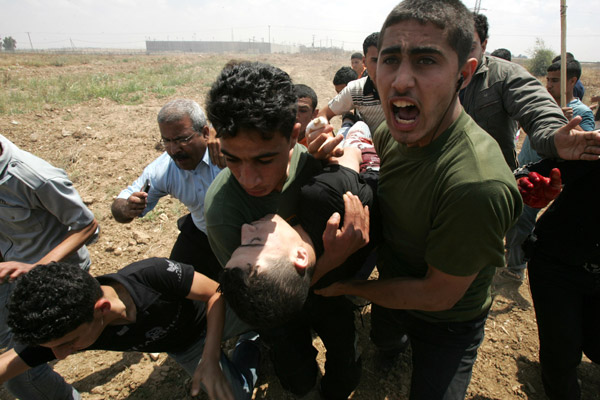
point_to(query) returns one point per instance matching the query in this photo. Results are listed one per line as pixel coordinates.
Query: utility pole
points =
(31, 44)
(563, 53)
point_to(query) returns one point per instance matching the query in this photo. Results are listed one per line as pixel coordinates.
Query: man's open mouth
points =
(404, 111)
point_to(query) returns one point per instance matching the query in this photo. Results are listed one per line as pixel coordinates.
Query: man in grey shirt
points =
(42, 219)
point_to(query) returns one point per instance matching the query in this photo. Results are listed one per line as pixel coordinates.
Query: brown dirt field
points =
(104, 146)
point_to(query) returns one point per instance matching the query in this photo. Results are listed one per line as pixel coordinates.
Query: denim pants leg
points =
(240, 374)
(515, 256)
(443, 355)
(39, 383)
(567, 305)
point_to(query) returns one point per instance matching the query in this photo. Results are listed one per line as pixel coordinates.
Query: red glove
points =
(537, 191)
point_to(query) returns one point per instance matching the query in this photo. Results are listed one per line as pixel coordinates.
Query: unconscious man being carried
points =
(269, 276)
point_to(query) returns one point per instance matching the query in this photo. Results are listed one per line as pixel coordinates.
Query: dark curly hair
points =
(51, 301)
(252, 96)
(482, 26)
(267, 299)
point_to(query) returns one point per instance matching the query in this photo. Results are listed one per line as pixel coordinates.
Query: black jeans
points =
(567, 308)
(191, 247)
(293, 354)
(443, 353)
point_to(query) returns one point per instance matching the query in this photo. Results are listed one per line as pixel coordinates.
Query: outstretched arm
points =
(573, 144)
(208, 374)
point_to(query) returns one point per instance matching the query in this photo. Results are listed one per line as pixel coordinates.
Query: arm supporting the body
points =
(437, 291)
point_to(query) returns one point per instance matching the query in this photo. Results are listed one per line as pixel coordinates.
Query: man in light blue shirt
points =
(184, 171)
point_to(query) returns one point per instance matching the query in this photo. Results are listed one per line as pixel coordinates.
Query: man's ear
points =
(205, 133)
(483, 46)
(315, 113)
(301, 260)
(103, 305)
(467, 71)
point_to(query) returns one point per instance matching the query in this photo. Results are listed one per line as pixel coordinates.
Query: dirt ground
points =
(104, 146)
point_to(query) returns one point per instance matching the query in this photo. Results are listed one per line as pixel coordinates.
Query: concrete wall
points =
(157, 46)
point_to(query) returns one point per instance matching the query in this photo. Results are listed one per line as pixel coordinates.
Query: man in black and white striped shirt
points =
(360, 94)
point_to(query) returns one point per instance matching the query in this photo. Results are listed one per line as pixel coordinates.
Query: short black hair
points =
(356, 55)
(267, 299)
(344, 75)
(450, 15)
(303, 90)
(482, 26)
(573, 68)
(252, 96)
(569, 55)
(371, 40)
(50, 301)
(502, 53)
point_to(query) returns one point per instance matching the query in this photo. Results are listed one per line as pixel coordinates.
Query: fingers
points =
(322, 145)
(332, 227)
(555, 178)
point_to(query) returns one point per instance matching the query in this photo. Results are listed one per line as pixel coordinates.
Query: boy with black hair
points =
(307, 108)
(574, 106)
(253, 109)
(441, 178)
(342, 77)
(153, 305)
(360, 94)
(357, 60)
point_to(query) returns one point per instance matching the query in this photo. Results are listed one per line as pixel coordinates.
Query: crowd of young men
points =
(286, 227)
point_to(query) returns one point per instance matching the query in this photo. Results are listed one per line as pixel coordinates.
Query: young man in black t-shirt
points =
(154, 305)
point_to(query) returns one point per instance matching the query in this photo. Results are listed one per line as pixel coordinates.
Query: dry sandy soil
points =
(104, 146)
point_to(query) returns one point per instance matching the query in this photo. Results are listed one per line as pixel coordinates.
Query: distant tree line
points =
(9, 44)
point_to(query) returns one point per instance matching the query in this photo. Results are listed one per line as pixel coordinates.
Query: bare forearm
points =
(215, 320)
(427, 294)
(71, 243)
(11, 365)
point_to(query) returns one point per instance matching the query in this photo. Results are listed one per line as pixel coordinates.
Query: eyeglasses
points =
(180, 141)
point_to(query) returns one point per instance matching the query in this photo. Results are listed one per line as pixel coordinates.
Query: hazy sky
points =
(514, 24)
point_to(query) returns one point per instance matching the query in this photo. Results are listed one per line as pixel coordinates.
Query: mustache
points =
(180, 156)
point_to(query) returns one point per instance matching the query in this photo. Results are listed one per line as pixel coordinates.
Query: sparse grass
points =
(122, 83)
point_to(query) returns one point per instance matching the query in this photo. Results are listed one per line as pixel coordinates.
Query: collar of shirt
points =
(369, 89)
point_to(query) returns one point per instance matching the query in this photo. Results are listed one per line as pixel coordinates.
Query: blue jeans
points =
(241, 372)
(515, 256)
(39, 383)
(443, 353)
(567, 308)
